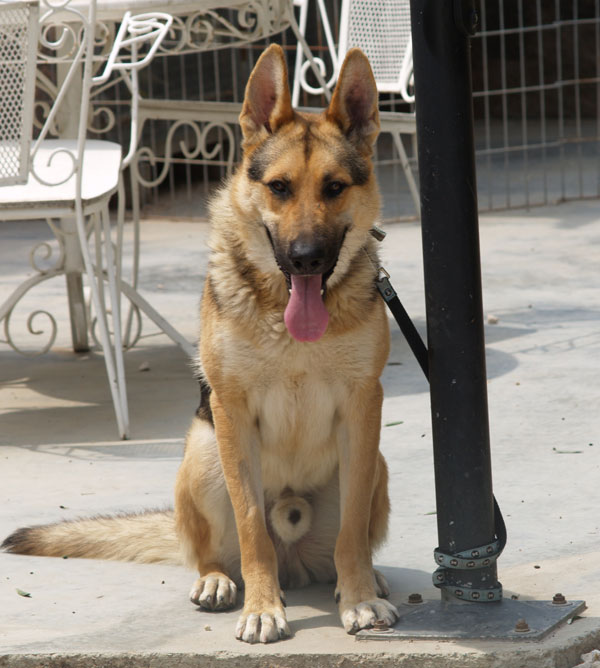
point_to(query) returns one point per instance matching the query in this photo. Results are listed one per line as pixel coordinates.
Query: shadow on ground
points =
(67, 398)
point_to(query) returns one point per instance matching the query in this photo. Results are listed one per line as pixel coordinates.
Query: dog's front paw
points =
(363, 615)
(264, 627)
(214, 591)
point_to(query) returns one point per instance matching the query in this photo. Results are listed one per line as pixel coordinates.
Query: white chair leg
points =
(113, 275)
(75, 293)
(95, 280)
(132, 312)
(414, 191)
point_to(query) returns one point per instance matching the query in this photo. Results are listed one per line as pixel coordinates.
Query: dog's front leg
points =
(358, 448)
(263, 618)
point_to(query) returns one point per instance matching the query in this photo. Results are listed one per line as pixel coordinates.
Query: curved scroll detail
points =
(202, 148)
(215, 29)
(198, 148)
(201, 30)
(103, 35)
(48, 262)
(57, 37)
(53, 167)
(45, 251)
(132, 336)
(97, 114)
(323, 70)
(30, 324)
(39, 332)
(41, 111)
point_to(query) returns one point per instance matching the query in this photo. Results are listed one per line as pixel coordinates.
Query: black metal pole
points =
(443, 93)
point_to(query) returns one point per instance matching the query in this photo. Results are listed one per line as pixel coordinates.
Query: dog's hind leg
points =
(204, 521)
(378, 524)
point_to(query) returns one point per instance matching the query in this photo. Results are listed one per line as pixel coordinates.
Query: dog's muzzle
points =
(307, 262)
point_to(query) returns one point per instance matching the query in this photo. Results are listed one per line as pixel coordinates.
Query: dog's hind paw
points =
(214, 591)
(264, 628)
(364, 615)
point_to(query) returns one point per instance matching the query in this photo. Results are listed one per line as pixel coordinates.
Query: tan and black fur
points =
(282, 481)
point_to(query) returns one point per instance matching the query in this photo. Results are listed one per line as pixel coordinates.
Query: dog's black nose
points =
(308, 256)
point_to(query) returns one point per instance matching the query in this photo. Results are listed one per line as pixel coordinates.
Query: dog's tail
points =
(145, 538)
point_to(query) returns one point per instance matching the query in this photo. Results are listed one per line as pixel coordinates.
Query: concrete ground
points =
(59, 459)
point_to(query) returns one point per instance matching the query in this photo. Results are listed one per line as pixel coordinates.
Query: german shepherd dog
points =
(282, 481)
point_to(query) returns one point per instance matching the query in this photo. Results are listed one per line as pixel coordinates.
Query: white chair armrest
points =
(135, 30)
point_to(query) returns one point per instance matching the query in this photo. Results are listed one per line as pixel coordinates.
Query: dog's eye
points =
(334, 188)
(279, 187)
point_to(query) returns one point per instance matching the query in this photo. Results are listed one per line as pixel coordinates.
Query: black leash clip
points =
(384, 286)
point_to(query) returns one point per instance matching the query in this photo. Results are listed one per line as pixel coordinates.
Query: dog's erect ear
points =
(267, 103)
(354, 103)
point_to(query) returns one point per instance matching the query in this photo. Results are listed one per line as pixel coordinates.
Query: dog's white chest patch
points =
(296, 429)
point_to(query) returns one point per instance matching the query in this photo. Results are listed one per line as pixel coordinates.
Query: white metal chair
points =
(381, 28)
(69, 182)
(18, 27)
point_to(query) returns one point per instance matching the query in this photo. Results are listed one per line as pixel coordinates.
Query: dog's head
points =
(313, 177)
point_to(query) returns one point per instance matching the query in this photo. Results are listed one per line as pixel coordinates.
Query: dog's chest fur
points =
(297, 419)
(297, 403)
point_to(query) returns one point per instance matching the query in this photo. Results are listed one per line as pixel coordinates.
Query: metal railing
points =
(536, 69)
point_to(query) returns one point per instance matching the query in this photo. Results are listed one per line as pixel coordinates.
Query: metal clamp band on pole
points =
(481, 557)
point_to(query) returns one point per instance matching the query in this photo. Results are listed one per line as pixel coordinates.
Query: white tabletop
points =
(198, 26)
(114, 9)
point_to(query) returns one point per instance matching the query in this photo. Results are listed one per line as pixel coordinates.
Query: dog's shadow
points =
(314, 607)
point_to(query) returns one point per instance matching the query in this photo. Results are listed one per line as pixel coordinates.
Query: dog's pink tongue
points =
(305, 315)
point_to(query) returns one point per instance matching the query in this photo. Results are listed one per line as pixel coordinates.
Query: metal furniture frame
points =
(202, 130)
(70, 181)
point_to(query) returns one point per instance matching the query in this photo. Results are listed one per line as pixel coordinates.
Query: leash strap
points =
(406, 325)
(478, 557)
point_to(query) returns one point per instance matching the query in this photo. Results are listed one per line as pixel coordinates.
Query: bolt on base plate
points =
(505, 620)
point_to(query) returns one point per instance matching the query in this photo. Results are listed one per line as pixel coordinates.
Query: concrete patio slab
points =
(59, 458)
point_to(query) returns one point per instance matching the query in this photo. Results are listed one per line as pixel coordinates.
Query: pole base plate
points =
(443, 620)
